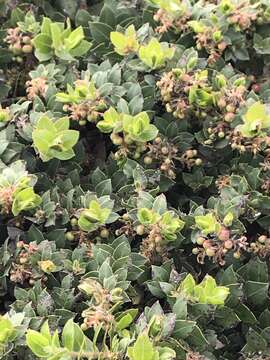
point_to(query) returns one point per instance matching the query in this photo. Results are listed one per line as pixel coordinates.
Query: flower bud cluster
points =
(165, 153)
(6, 198)
(99, 312)
(153, 247)
(36, 87)
(169, 22)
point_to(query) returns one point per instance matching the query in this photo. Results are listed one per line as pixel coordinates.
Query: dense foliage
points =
(135, 179)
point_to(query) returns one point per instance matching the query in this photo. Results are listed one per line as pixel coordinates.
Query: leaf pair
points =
(84, 90)
(54, 139)
(25, 199)
(46, 345)
(172, 7)
(208, 223)
(17, 184)
(144, 349)
(256, 120)
(137, 128)
(168, 222)
(155, 54)
(56, 40)
(98, 213)
(207, 292)
(125, 43)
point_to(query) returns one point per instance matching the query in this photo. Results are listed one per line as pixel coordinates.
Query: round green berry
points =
(69, 236)
(104, 233)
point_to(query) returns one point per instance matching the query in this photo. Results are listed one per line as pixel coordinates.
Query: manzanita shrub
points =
(134, 179)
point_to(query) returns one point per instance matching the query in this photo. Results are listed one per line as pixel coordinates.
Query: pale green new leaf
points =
(207, 223)
(38, 343)
(256, 119)
(110, 118)
(143, 348)
(25, 199)
(75, 37)
(154, 54)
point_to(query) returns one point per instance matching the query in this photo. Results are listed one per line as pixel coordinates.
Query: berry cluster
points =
(261, 246)
(127, 147)
(153, 247)
(212, 41)
(165, 153)
(86, 111)
(19, 43)
(218, 245)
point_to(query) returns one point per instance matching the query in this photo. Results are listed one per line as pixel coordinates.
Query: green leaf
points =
(100, 32)
(105, 271)
(95, 215)
(53, 139)
(124, 322)
(226, 317)
(119, 41)
(25, 200)
(261, 45)
(183, 328)
(62, 124)
(154, 54)
(207, 223)
(136, 105)
(82, 17)
(16, 15)
(188, 285)
(160, 204)
(43, 43)
(256, 119)
(264, 319)
(245, 314)
(45, 330)
(73, 337)
(256, 292)
(197, 338)
(139, 127)
(125, 43)
(74, 38)
(37, 343)
(46, 26)
(207, 292)
(173, 7)
(180, 309)
(255, 342)
(54, 39)
(81, 48)
(7, 330)
(69, 138)
(56, 36)
(104, 188)
(146, 216)
(143, 349)
(107, 15)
